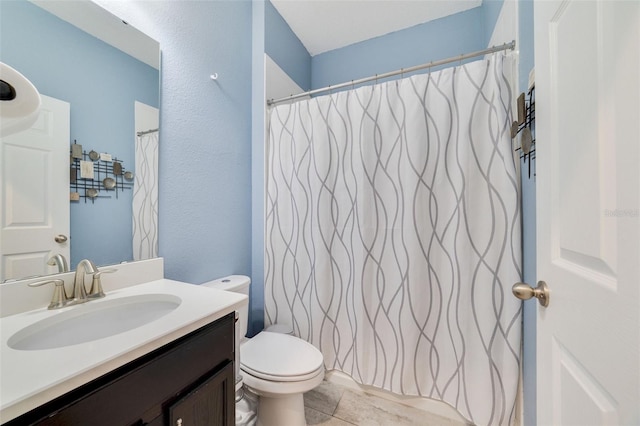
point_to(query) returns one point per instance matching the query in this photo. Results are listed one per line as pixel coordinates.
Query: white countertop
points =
(29, 378)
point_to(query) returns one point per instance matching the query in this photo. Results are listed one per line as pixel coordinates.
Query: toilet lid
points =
(274, 355)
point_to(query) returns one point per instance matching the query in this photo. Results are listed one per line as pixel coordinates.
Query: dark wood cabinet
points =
(205, 405)
(187, 382)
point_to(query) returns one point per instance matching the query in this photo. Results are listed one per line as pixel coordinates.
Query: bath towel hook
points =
(214, 76)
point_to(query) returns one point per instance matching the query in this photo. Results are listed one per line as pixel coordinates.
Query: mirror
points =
(108, 73)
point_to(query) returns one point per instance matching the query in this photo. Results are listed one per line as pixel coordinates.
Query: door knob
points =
(525, 292)
(60, 238)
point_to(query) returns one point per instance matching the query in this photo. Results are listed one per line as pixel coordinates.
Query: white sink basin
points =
(93, 320)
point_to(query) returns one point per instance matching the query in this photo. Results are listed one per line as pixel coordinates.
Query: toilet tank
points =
(237, 284)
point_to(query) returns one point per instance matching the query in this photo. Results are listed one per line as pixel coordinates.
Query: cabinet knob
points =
(179, 422)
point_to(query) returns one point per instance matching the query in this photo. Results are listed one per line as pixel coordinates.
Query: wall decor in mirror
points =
(99, 82)
(96, 175)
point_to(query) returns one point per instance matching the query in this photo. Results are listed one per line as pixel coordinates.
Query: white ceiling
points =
(323, 25)
(94, 18)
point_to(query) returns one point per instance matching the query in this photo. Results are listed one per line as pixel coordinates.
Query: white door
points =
(587, 56)
(34, 190)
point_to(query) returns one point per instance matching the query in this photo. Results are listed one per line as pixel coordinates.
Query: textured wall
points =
(205, 136)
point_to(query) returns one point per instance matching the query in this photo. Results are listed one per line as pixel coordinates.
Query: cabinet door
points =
(210, 404)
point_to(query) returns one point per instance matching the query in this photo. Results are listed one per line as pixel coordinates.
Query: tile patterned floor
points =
(333, 405)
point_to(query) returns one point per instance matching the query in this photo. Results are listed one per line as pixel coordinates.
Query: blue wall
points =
(101, 83)
(490, 12)
(284, 47)
(205, 136)
(441, 38)
(438, 39)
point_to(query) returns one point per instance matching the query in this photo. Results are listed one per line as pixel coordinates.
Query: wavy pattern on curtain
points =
(393, 235)
(145, 198)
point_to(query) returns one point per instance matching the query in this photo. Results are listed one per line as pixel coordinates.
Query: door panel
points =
(34, 183)
(588, 133)
(576, 387)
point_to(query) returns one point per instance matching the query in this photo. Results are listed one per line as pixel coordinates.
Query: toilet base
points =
(283, 410)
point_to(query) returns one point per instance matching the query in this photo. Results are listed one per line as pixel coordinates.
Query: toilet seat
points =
(274, 378)
(281, 389)
(280, 358)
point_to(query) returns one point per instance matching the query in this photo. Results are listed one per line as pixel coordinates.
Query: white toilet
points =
(277, 367)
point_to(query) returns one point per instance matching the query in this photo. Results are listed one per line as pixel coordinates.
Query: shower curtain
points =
(393, 235)
(145, 198)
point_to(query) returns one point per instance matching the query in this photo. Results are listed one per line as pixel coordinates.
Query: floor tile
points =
(367, 410)
(315, 417)
(324, 398)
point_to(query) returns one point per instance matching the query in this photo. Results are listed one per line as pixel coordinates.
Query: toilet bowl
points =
(275, 366)
(279, 369)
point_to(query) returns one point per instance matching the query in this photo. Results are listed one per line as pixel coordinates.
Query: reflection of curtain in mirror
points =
(393, 235)
(145, 198)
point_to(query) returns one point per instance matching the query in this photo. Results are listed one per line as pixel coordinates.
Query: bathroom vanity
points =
(158, 352)
(189, 381)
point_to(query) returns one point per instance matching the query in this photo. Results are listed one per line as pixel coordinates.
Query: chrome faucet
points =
(59, 261)
(85, 266)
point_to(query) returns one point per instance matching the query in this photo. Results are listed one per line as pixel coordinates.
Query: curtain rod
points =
(505, 46)
(147, 132)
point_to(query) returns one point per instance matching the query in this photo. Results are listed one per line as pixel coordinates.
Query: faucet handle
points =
(60, 261)
(96, 291)
(59, 298)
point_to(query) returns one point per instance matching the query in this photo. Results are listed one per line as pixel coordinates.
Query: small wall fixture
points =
(20, 101)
